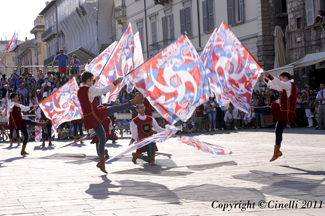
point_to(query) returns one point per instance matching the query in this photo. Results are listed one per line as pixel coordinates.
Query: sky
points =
(19, 16)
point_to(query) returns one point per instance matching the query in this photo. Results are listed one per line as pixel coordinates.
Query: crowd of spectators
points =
(207, 117)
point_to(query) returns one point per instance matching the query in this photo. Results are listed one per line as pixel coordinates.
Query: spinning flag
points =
(5, 106)
(174, 81)
(97, 64)
(205, 147)
(231, 69)
(159, 137)
(62, 105)
(118, 65)
(38, 129)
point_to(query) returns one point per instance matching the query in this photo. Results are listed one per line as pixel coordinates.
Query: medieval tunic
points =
(141, 127)
(285, 110)
(16, 118)
(93, 115)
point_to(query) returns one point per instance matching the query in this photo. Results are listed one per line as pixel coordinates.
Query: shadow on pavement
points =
(307, 172)
(159, 192)
(211, 166)
(45, 148)
(285, 185)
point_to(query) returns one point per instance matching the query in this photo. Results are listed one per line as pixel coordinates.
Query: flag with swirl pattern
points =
(173, 81)
(232, 70)
(159, 137)
(38, 129)
(203, 146)
(119, 64)
(97, 64)
(62, 105)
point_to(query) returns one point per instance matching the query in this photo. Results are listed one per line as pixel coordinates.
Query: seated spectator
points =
(46, 85)
(49, 76)
(39, 94)
(11, 84)
(249, 120)
(4, 76)
(22, 90)
(21, 100)
(189, 127)
(25, 73)
(163, 123)
(18, 83)
(32, 102)
(319, 17)
(41, 80)
(62, 133)
(32, 86)
(14, 76)
(40, 72)
(5, 90)
(57, 86)
(230, 120)
(30, 78)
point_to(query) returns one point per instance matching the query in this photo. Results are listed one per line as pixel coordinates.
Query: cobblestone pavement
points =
(185, 181)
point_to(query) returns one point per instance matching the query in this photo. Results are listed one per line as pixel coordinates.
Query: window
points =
(298, 22)
(153, 30)
(186, 21)
(235, 10)
(140, 30)
(168, 29)
(280, 6)
(208, 15)
(309, 5)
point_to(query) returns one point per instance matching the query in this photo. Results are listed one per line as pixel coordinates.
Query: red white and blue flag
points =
(38, 129)
(159, 137)
(62, 105)
(97, 64)
(12, 42)
(203, 146)
(119, 64)
(5, 106)
(174, 81)
(231, 69)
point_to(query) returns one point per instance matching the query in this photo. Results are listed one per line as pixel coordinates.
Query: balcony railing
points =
(49, 60)
(156, 47)
(49, 33)
(120, 14)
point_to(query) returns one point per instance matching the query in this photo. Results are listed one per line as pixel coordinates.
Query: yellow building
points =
(40, 49)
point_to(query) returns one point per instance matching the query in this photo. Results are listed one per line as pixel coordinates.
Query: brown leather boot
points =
(277, 153)
(135, 157)
(23, 150)
(101, 163)
(152, 159)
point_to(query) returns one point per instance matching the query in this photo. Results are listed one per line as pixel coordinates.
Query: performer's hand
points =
(262, 78)
(118, 80)
(97, 78)
(266, 74)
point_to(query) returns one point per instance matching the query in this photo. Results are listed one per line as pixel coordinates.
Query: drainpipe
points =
(198, 18)
(145, 21)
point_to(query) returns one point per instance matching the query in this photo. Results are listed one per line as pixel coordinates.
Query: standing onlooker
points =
(211, 109)
(62, 60)
(75, 63)
(321, 109)
(309, 116)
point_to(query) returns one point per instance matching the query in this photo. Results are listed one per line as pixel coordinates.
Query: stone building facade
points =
(306, 37)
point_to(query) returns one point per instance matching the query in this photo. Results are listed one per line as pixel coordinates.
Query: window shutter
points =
(182, 16)
(188, 20)
(241, 10)
(153, 32)
(171, 26)
(309, 12)
(230, 12)
(277, 5)
(211, 15)
(205, 16)
(140, 29)
(165, 29)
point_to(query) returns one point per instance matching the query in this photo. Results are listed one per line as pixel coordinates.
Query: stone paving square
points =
(185, 181)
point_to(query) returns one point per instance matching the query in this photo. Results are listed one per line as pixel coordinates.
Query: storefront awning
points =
(309, 59)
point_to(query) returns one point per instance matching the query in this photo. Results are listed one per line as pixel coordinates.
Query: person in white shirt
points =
(46, 85)
(321, 108)
(249, 120)
(141, 127)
